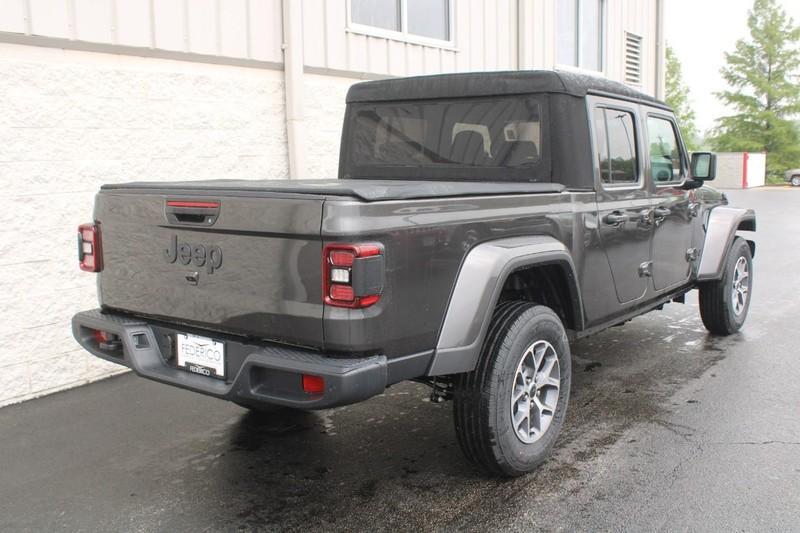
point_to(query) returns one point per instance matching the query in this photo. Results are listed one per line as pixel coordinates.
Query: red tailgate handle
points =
(192, 212)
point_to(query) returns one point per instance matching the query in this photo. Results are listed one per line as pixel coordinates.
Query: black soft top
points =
(492, 83)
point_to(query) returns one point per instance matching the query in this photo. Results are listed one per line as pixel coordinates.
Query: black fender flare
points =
(721, 227)
(477, 290)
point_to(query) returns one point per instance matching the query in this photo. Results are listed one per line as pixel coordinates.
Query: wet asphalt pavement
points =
(668, 428)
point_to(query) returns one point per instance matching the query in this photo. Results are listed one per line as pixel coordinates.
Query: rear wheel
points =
(795, 181)
(724, 303)
(510, 409)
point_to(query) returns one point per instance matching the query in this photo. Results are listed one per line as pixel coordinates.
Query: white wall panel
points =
(463, 41)
(314, 30)
(356, 52)
(233, 28)
(491, 35)
(202, 27)
(396, 57)
(266, 33)
(431, 60)
(94, 21)
(133, 23)
(505, 31)
(170, 25)
(335, 37)
(415, 59)
(477, 57)
(51, 18)
(449, 61)
(12, 17)
(377, 55)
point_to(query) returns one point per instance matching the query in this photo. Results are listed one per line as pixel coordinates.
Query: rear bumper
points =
(256, 373)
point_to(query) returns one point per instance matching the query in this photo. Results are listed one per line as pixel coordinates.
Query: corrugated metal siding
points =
(538, 38)
(484, 31)
(242, 29)
(635, 17)
(488, 34)
(537, 21)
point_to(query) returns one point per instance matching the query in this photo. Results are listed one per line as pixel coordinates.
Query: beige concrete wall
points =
(71, 121)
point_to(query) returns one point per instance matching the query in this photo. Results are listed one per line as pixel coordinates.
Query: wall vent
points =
(633, 58)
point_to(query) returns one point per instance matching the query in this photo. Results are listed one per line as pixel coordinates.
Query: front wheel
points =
(795, 181)
(724, 303)
(510, 409)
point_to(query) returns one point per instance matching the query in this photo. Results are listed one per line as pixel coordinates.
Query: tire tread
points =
(714, 306)
(473, 390)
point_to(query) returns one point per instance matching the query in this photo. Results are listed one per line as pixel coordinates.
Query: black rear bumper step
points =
(269, 374)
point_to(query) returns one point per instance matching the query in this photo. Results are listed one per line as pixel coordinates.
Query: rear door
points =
(623, 201)
(673, 207)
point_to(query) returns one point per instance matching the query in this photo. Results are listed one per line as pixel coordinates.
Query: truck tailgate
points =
(252, 268)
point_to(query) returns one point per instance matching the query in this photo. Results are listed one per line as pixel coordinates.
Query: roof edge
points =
(467, 84)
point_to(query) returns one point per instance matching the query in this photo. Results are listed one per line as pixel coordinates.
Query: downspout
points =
(293, 86)
(520, 33)
(660, 50)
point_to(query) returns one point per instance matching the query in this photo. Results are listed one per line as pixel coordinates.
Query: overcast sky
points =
(700, 31)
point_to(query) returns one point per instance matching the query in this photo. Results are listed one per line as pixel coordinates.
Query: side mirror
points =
(704, 166)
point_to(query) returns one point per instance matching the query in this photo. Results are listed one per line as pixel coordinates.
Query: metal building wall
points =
(243, 29)
(484, 39)
(487, 34)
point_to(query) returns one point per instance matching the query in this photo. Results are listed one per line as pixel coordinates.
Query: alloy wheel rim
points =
(534, 394)
(740, 289)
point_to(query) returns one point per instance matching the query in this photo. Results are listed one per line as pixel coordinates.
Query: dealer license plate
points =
(201, 355)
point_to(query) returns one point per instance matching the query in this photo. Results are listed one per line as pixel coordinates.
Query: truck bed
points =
(267, 238)
(361, 189)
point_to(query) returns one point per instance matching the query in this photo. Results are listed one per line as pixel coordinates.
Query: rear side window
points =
(466, 134)
(665, 154)
(615, 144)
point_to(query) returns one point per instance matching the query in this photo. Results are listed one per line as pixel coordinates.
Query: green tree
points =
(764, 93)
(677, 97)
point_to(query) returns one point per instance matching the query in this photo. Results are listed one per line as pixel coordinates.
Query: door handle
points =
(615, 218)
(660, 213)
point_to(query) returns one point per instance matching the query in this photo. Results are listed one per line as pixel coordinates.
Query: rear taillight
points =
(352, 274)
(90, 250)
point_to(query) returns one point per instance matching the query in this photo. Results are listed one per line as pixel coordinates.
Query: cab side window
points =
(666, 165)
(615, 143)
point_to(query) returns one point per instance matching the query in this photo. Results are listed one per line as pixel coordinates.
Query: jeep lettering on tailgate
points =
(200, 255)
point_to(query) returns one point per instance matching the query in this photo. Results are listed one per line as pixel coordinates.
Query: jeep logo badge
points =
(197, 254)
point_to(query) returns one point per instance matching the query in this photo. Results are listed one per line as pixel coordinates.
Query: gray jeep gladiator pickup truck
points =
(479, 223)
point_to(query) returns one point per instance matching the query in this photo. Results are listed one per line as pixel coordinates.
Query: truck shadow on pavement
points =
(142, 456)
(393, 462)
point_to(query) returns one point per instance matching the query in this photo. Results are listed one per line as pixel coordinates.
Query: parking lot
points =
(668, 429)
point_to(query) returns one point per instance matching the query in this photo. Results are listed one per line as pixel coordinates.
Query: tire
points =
(483, 403)
(795, 181)
(721, 306)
